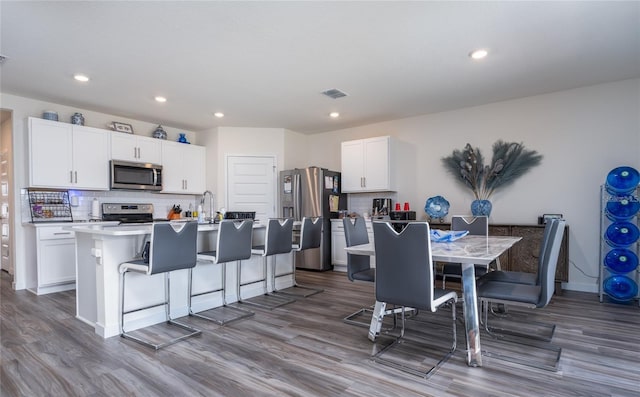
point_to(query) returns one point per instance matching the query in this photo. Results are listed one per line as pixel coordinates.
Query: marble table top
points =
(469, 249)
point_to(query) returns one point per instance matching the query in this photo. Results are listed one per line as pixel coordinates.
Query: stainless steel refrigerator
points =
(311, 192)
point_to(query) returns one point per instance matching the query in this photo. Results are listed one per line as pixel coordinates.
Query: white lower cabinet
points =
(53, 267)
(339, 243)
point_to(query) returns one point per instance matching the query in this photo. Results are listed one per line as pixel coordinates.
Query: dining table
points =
(469, 251)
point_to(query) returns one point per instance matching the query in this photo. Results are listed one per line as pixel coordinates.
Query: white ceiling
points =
(265, 64)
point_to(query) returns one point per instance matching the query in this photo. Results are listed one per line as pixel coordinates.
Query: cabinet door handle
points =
(60, 233)
(186, 184)
(139, 155)
(76, 175)
(70, 176)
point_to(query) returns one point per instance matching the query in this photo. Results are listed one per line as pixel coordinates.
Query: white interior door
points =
(251, 185)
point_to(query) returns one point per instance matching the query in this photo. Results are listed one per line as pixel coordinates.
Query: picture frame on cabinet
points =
(122, 127)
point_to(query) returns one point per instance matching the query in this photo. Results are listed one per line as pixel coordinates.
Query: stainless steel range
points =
(128, 213)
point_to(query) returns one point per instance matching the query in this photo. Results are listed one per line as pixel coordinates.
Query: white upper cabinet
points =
(183, 168)
(366, 165)
(64, 155)
(134, 148)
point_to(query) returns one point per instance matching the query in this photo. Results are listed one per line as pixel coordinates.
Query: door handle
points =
(76, 175)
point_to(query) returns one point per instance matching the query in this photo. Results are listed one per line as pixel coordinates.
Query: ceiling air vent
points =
(334, 93)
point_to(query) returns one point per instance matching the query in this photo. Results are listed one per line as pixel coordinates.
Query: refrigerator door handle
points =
(297, 197)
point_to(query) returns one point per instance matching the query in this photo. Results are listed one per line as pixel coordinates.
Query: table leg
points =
(376, 320)
(472, 325)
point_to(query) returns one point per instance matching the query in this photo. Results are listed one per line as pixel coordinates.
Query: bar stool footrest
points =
(268, 301)
(222, 318)
(157, 346)
(295, 290)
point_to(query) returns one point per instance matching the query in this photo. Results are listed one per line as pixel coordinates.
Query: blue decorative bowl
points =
(621, 234)
(622, 207)
(436, 207)
(620, 288)
(621, 261)
(622, 180)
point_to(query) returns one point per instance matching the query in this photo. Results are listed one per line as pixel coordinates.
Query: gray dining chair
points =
(277, 240)
(476, 226)
(171, 247)
(523, 278)
(358, 266)
(405, 278)
(529, 296)
(310, 237)
(233, 244)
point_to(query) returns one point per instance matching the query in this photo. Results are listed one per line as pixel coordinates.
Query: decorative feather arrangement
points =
(510, 161)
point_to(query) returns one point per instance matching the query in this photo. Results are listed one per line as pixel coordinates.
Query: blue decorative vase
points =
(481, 207)
(182, 138)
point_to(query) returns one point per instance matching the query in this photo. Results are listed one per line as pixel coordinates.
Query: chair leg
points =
(520, 340)
(167, 304)
(237, 313)
(401, 340)
(547, 337)
(290, 291)
(266, 300)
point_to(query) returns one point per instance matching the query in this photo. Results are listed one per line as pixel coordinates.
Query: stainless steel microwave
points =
(135, 176)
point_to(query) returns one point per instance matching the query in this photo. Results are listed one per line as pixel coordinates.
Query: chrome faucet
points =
(204, 195)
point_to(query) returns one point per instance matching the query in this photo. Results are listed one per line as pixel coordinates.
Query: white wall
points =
(582, 133)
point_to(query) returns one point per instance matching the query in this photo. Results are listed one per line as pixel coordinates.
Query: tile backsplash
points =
(363, 202)
(162, 203)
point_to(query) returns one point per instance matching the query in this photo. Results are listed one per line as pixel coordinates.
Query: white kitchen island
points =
(100, 249)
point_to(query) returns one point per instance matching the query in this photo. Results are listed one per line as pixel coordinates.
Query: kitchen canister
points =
(77, 119)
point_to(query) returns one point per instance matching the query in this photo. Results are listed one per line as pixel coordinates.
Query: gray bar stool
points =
(233, 244)
(278, 237)
(169, 250)
(310, 237)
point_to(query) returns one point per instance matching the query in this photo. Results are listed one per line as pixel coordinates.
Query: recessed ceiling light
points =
(334, 115)
(219, 115)
(479, 54)
(161, 99)
(81, 77)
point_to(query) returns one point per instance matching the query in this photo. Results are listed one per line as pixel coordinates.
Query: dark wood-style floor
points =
(304, 349)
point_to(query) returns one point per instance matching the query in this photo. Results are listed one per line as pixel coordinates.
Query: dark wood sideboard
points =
(523, 256)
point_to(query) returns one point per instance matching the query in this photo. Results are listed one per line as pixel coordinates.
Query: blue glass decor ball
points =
(622, 207)
(622, 180)
(620, 288)
(621, 261)
(436, 207)
(622, 234)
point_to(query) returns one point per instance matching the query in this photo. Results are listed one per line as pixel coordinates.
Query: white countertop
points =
(115, 229)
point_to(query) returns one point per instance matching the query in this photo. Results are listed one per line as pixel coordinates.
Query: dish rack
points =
(49, 205)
